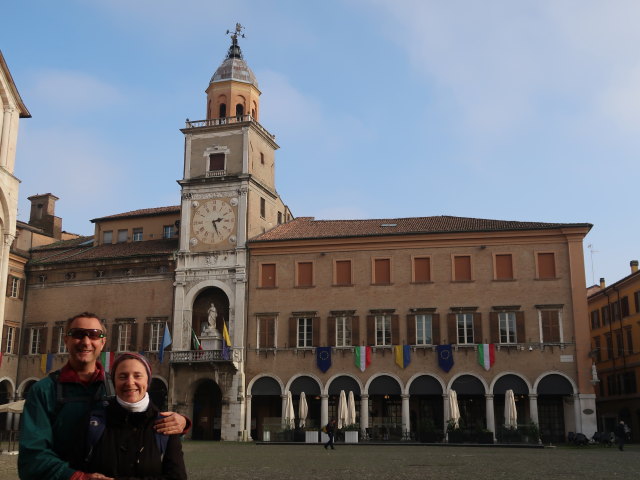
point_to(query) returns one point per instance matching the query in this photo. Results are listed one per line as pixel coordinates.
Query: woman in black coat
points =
(128, 447)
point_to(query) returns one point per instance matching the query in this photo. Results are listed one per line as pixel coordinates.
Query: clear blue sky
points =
(526, 110)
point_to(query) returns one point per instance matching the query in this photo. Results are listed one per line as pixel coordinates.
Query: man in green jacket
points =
(51, 431)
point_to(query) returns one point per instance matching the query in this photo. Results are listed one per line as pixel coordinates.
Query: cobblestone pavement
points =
(209, 460)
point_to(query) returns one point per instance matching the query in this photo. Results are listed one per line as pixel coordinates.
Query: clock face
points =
(213, 221)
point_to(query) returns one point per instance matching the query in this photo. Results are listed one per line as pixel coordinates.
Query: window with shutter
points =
(304, 274)
(546, 266)
(343, 272)
(462, 268)
(381, 271)
(343, 332)
(268, 275)
(266, 332)
(550, 324)
(464, 323)
(422, 269)
(504, 266)
(423, 330)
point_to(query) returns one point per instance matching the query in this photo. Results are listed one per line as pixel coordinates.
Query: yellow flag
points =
(225, 334)
(399, 355)
(43, 363)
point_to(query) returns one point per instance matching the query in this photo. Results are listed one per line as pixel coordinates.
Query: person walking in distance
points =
(331, 432)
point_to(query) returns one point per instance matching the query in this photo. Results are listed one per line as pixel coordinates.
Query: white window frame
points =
(137, 234)
(15, 287)
(304, 337)
(424, 329)
(124, 337)
(467, 328)
(560, 326)
(34, 340)
(156, 330)
(62, 347)
(11, 334)
(107, 237)
(507, 323)
(167, 231)
(383, 330)
(120, 236)
(344, 331)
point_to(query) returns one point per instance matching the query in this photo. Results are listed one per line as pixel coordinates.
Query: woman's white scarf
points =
(140, 406)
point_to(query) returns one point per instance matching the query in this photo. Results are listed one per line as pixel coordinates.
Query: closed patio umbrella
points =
(14, 407)
(454, 411)
(351, 409)
(303, 410)
(342, 410)
(289, 413)
(510, 412)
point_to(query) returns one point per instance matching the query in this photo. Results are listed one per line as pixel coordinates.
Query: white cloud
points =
(73, 92)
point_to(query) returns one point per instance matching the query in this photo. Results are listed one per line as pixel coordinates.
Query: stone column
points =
(324, 410)
(283, 409)
(364, 412)
(491, 420)
(247, 419)
(406, 419)
(5, 135)
(446, 412)
(577, 413)
(533, 408)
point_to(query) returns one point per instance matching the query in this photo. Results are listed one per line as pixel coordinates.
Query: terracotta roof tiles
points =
(144, 212)
(308, 228)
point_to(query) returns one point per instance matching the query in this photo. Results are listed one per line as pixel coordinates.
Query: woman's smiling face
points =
(131, 380)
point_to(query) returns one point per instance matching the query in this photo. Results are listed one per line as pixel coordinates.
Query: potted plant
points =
(455, 434)
(530, 433)
(311, 434)
(351, 433)
(427, 432)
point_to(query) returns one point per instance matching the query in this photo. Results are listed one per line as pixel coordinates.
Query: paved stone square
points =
(211, 460)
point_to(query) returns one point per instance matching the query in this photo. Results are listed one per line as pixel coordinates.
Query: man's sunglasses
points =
(80, 333)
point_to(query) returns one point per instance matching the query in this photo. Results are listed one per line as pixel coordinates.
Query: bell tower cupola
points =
(233, 90)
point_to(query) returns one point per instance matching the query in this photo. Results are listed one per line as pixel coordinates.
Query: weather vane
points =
(236, 32)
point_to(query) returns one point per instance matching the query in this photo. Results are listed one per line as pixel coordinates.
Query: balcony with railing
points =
(215, 122)
(205, 356)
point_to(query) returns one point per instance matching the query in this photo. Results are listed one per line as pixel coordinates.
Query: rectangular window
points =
(343, 331)
(167, 231)
(304, 274)
(137, 234)
(507, 325)
(597, 348)
(422, 269)
(279, 218)
(423, 329)
(305, 332)
(381, 271)
(10, 339)
(619, 343)
(266, 332)
(343, 272)
(263, 208)
(606, 315)
(156, 331)
(122, 235)
(595, 319)
(107, 237)
(636, 297)
(629, 340)
(615, 311)
(268, 275)
(464, 323)
(462, 268)
(383, 330)
(504, 267)
(15, 287)
(216, 161)
(546, 265)
(124, 337)
(609, 342)
(34, 341)
(550, 326)
(60, 333)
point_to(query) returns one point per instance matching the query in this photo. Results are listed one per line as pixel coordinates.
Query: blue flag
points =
(323, 357)
(445, 357)
(166, 341)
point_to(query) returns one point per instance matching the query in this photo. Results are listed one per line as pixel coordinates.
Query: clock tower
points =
(228, 196)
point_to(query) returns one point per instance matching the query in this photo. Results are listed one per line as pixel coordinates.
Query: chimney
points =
(602, 284)
(634, 266)
(43, 209)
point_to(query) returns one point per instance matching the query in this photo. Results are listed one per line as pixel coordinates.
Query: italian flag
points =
(196, 342)
(106, 359)
(362, 357)
(486, 355)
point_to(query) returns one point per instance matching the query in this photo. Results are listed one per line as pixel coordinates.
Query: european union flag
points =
(445, 357)
(323, 357)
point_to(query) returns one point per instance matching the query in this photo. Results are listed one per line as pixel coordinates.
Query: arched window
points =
(239, 110)
(223, 110)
